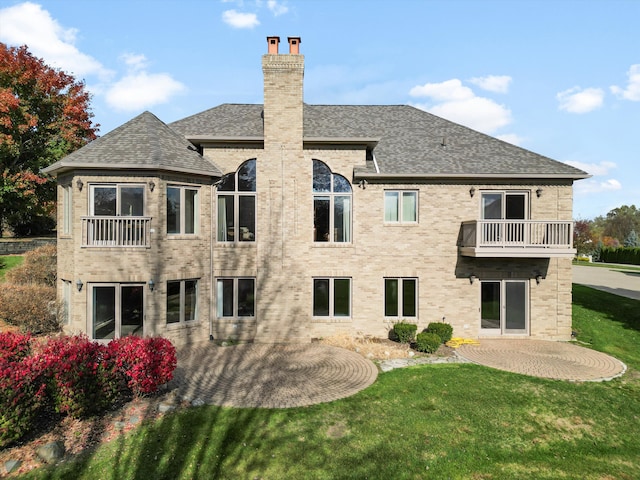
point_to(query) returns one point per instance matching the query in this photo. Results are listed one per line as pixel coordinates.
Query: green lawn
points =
(458, 421)
(7, 262)
(612, 266)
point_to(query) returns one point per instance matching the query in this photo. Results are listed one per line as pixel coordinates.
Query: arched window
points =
(236, 197)
(331, 205)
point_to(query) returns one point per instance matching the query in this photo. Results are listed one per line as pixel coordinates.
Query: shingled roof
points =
(410, 142)
(143, 143)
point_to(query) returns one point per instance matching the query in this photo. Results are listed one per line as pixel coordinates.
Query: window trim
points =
(182, 310)
(67, 210)
(504, 193)
(400, 212)
(181, 213)
(220, 301)
(118, 308)
(67, 291)
(331, 299)
(400, 304)
(118, 186)
(236, 194)
(332, 195)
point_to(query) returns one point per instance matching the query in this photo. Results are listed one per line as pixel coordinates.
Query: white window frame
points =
(182, 320)
(181, 213)
(400, 304)
(220, 298)
(400, 212)
(332, 298)
(67, 209)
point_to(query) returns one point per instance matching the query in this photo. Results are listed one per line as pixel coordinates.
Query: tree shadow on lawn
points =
(623, 310)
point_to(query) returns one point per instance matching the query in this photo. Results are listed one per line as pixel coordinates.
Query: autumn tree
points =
(583, 238)
(44, 115)
(621, 221)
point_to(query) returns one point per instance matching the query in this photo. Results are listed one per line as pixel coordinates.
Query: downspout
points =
(211, 283)
(375, 162)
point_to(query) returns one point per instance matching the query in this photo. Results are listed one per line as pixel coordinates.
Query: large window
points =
(400, 206)
(236, 297)
(237, 205)
(182, 210)
(400, 297)
(331, 297)
(332, 197)
(182, 301)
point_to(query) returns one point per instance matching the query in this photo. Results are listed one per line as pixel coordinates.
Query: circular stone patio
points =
(270, 376)
(547, 359)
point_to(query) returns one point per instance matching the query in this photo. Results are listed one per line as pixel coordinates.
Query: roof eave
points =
(59, 167)
(370, 176)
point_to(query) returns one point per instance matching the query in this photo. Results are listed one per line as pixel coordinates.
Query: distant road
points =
(620, 282)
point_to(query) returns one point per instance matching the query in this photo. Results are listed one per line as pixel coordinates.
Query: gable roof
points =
(143, 143)
(410, 142)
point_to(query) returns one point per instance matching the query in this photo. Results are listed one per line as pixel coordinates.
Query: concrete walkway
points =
(270, 376)
(539, 358)
(619, 282)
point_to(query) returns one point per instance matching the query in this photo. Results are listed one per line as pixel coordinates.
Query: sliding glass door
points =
(504, 307)
(117, 310)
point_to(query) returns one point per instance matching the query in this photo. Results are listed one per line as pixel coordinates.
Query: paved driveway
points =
(625, 283)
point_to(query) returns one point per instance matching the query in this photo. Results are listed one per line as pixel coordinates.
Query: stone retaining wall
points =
(22, 245)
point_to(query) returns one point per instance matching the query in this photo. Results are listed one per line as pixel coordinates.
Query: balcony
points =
(516, 238)
(116, 231)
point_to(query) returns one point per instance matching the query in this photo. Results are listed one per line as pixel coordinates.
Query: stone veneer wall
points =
(20, 246)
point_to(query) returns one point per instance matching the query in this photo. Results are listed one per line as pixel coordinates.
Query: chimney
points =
(294, 45)
(273, 45)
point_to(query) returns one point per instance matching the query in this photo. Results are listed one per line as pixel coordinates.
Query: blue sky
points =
(559, 77)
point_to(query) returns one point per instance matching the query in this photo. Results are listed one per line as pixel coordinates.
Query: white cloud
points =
(277, 8)
(240, 20)
(578, 100)
(141, 90)
(493, 83)
(585, 187)
(28, 24)
(632, 92)
(134, 61)
(458, 103)
(598, 169)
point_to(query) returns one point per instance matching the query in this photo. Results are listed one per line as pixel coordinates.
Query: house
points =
(287, 222)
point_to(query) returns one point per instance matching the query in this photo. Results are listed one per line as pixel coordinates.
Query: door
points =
(504, 206)
(504, 307)
(117, 311)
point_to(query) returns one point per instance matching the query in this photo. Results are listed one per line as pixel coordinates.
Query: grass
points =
(7, 262)
(458, 421)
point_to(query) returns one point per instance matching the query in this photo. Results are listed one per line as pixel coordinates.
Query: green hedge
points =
(626, 255)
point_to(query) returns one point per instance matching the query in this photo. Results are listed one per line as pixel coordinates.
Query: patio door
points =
(504, 307)
(504, 206)
(117, 310)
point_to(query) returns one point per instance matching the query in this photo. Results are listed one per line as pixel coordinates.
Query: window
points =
(182, 301)
(236, 297)
(331, 205)
(66, 301)
(66, 209)
(504, 206)
(237, 205)
(182, 210)
(504, 307)
(400, 297)
(117, 200)
(331, 297)
(400, 206)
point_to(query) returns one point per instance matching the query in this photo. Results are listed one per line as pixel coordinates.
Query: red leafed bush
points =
(14, 346)
(22, 390)
(83, 378)
(146, 363)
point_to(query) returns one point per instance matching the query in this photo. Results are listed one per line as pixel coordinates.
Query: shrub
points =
(405, 332)
(39, 267)
(443, 330)
(146, 363)
(22, 393)
(428, 342)
(83, 378)
(14, 347)
(33, 308)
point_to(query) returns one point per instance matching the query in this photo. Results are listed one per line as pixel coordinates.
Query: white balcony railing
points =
(116, 231)
(517, 236)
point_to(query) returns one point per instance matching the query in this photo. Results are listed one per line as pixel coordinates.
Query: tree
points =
(620, 221)
(583, 238)
(632, 239)
(44, 115)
